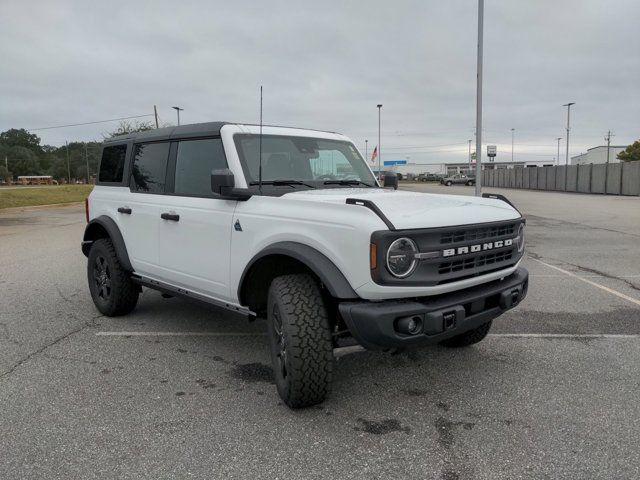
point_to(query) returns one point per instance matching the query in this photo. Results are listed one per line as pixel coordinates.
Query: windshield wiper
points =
(282, 182)
(347, 182)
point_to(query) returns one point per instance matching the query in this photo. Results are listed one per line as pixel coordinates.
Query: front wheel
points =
(448, 184)
(300, 340)
(468, 338)
(470, 183)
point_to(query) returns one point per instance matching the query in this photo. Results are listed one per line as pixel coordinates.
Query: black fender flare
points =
(114, 234)
(330, 275)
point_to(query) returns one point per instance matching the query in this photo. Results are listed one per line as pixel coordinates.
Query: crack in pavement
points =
(30, 355)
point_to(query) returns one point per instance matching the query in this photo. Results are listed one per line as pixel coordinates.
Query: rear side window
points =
(194, 162)
(149, 170)
(112, 164)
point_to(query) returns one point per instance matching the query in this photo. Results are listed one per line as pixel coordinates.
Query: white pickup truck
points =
(290, 225)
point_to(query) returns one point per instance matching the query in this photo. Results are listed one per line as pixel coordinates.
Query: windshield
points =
(311, 162)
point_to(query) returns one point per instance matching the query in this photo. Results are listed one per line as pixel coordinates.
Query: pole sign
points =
(394, 162)
(491, 152)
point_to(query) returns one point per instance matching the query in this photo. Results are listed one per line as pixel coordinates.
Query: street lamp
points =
(568, 105)
(479, 100)
(558, 156)
(512, 131)
(469, 157)
(366, 150)
(178, 110)
(379, 148)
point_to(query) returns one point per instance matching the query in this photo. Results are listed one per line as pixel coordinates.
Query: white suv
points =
(290, 225)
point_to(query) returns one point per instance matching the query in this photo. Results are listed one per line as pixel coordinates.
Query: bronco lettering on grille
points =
(451, 252)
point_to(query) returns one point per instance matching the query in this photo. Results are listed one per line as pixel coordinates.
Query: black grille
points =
(475, 262)
(481, 233)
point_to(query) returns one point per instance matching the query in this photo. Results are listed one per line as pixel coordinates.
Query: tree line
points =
(21, 153)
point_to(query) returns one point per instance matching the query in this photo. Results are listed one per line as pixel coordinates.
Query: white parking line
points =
(564, 335)
(594, 284)
(179, 334)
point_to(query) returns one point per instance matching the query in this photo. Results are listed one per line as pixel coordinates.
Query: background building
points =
(598, 155)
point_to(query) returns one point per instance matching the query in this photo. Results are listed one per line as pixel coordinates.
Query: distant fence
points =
(610, 178)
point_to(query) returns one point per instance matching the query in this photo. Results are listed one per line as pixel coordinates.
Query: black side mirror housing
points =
(391, 180)
(223, 186)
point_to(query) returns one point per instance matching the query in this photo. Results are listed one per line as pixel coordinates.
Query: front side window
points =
(112, 164)
(314, 161)
(149, 169)
(194, 162)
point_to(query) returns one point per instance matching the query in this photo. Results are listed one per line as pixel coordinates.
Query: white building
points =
(598, 155)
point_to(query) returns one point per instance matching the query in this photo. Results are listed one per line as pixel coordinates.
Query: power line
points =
(89, 123)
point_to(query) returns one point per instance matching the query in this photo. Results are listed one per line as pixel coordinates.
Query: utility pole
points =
(606, 167)
(86, 157)
(608, 139)
(366, 150)
(479, 101)
(68, 164)
(155, 112)
(566, 172)
(558, 157)
(512, 132)
(379, 148)
(178, 110)
(469, 156)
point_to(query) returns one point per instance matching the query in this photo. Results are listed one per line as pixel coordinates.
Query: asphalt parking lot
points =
(177, 391)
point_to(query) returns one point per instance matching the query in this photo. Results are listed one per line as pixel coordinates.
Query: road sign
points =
(395, 162)
(491, 150)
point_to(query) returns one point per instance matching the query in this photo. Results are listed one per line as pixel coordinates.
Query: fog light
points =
(410, 325)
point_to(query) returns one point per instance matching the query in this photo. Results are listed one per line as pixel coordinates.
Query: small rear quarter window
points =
(112, 164)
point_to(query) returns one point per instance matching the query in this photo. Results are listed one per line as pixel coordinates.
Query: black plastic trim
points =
(497, 196)
(374, 208)
(373, 324)
(329, 274)
(116, 238)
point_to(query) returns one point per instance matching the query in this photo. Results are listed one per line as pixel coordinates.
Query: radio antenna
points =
(260, 149)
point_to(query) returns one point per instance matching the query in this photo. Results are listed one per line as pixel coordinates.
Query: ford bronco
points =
(290, 225)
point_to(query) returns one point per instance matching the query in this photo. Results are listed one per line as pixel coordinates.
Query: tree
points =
(126, 126)
(4, 173)
(22, 161)
(631, 153)
(20, 138)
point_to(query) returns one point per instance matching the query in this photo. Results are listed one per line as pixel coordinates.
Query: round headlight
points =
(401, 261)
(521, 238)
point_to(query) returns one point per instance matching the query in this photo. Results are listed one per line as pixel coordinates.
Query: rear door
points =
(195, 236)
(139, 215)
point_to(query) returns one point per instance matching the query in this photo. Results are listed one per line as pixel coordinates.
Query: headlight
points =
(401, 261)
(521, 238)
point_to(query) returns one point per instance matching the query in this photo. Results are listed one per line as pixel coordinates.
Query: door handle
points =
(125, 210)
(174, 217)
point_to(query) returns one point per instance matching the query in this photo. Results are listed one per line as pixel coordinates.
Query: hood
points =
(407, 210)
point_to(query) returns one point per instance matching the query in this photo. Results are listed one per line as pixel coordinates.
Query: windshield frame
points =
(305, 184)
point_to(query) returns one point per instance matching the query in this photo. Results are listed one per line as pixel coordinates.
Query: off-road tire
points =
(120, 296)
(468, 338)
(448, 184)
(297, 316)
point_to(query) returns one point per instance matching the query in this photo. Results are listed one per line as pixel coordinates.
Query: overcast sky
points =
(326, 65)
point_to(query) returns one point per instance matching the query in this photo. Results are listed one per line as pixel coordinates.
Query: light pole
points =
(68, 163)
(566, 161)
(469, 156)
(512, 132)
(86, 158)
(479, 101)
(178, 110)
(366, 150)
(379, 148)
(558, 157)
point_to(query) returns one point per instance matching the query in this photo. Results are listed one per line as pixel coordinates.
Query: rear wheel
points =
(470, 183)
(111, 288)
(468, 338)
(300, 340)
(449, 183)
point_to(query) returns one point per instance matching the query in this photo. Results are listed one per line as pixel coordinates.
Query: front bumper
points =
(378, 325)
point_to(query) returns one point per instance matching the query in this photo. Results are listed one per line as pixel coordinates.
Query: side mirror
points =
(391, 180)
(222, 181)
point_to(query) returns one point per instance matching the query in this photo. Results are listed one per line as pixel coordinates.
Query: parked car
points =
(429, 177)
(258, 222)
(380, 174)
(458, 179)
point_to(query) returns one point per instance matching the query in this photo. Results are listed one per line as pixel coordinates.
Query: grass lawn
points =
(44, 195)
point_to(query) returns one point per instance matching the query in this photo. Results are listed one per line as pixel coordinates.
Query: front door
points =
(195, 233)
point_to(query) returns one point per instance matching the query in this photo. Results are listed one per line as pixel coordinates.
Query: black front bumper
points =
(378, 325)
